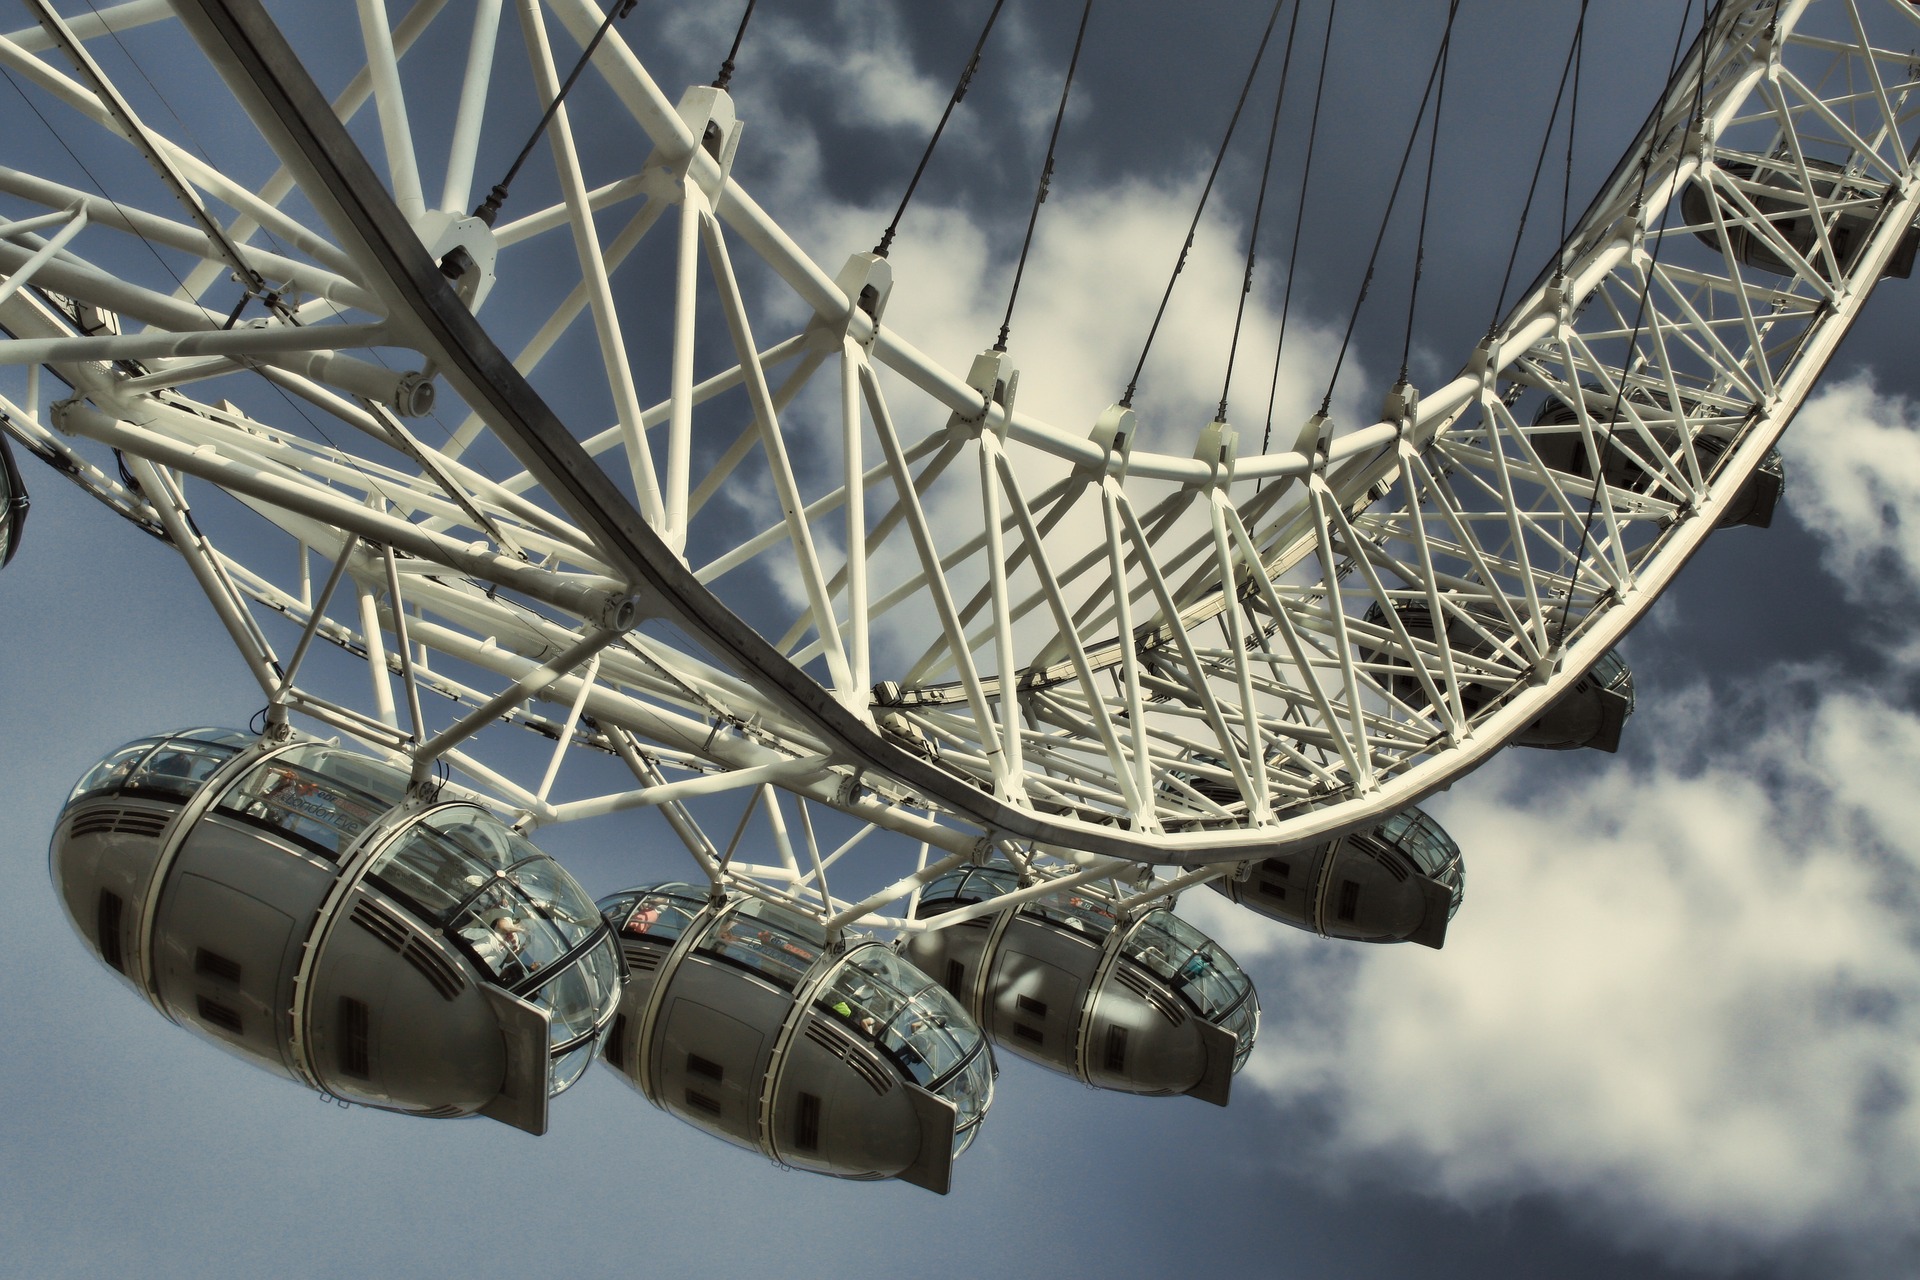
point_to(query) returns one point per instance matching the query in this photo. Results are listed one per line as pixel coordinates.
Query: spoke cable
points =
(725, 77)
(1299, 217)
(1573, 129)
(489, 209)
(1259, 210)
(1426, 201)
(1707, 15)
(252, 285)
(959, 92)
(1219, 157)
(1046, 178)
(1539, 166)
(1393, 198)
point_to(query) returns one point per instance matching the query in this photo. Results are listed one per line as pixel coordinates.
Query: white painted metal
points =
(946, 658)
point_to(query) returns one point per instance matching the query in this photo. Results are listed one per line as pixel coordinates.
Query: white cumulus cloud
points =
(1855, 455)
(1683, 996)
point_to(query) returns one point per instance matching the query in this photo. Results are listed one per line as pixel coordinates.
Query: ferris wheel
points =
(603, 453)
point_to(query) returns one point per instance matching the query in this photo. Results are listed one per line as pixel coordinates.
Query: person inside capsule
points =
(289, 901)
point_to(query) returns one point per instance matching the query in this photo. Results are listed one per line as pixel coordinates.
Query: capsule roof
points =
(168, 767)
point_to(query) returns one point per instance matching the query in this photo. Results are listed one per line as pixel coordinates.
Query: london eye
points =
(540, 474)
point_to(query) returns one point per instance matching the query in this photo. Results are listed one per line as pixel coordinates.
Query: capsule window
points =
(107, 926)
(766, 943)
(1349, 899)
(177, 768)
(318, 796)
(111, 773)
(355, 1039)
(209, 964)
(218, 1014)
(806, 1124)
(658, 918)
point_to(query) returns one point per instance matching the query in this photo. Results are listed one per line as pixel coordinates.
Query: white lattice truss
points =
(960, 625)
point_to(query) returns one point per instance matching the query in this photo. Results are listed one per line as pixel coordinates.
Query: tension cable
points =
(725, 77)
(1046, 178)
(1220, 156)
(1299, 217)
(1553, 118)
(1259, 209)
(959, 92)
(1366, 281)
(1640, 310)
(1426, 201)
(490, 207)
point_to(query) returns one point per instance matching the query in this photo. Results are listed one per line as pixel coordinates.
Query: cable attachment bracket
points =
(1401, 407)
(997, 380)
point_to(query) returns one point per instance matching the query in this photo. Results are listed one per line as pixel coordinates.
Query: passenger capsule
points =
(1402, 881)
(1630, 467)
(13, 503)
(1847, 230)
(743, 1020)
(287, 901)
(1149, 1005)
(1590, 714)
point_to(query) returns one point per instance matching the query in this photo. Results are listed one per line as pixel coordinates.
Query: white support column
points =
(853, 453)
(565, 738)
(686, 318)
(456, 196)
(76, 222)
(317, 613)
(907, 502)
(1006, 666)
(519, 691)
(377, 669)
(1111, 497)
(766, 419)
(593, 271)
(383, 63)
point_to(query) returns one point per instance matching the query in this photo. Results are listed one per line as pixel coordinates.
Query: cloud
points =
(1683, 995)
(1855, 459)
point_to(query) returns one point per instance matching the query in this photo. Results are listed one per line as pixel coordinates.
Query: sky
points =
(1675, 1030)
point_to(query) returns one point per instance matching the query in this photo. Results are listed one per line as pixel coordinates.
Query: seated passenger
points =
(498, 942)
